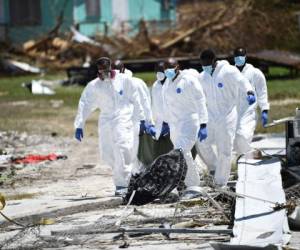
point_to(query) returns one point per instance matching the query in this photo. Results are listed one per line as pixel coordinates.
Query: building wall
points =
(50, 10)
(124, 16)
(90, 26)
(114, 16)
(152, 11)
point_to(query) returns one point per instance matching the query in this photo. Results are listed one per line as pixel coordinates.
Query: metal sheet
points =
(277, 56)
(256, 222)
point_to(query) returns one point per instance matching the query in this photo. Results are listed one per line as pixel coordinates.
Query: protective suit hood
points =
(248, 66)
(220, 65)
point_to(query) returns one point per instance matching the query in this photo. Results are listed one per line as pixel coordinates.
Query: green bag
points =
(150, 149)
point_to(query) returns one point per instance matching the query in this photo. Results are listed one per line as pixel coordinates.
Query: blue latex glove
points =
(202, 134)
(251, 98)
(79, 134)
(264, 117)
(142, 127)
(165, 130)
(150, 130)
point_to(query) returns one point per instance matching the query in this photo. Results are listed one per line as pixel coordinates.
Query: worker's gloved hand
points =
(264, 117)
(142, 127)
(251, 98)
(202, 134)
(165, 130)
(150, 130)
(79, 134)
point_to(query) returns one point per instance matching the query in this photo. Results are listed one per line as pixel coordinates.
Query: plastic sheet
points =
(256, 222)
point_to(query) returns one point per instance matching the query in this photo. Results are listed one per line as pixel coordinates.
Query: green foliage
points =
(148, 77)
(11, 90)
(37, 115)
(283, 89)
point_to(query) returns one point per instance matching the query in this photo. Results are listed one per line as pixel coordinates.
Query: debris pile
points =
(195, 222)
(222, 25)
(18, 151)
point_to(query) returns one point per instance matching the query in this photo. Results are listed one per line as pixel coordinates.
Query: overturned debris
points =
(166, 173)
(257, 221)
(14, 67)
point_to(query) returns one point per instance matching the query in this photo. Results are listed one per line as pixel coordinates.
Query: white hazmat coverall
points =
(145, 99)
(128, 72)
(157, 101)
(116, 98)
(157, 106)
(192, 72)
(247, 114)
(221, 90)
(184, 108)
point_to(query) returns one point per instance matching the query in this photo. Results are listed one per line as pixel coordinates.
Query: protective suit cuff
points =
(263, 108)
(78, 125)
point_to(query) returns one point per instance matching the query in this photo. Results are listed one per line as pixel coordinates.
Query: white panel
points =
(120, 13)
(256, 223)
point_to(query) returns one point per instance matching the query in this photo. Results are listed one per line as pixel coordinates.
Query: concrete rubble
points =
(69, 205)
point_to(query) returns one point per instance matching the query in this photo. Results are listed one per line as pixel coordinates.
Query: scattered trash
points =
(14, 67)
(25, 67)
(5, 159)
(31, 159)
(78, 37)
(38, 88)
(56, 103)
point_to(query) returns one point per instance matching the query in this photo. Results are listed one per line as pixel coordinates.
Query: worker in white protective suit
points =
(162, 127)
(192, 72)
(115, 95)
(185, 111)
(144, 95)
(221, 83)
(119, 65)
(247, 114)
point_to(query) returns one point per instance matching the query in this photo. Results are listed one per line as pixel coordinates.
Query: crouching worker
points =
(184, 107)
(116, 96)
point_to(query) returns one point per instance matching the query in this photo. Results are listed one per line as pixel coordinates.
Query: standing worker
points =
(119, 65)
(115, 95)
(221, 83)
(185, 111)
(162, 128)
(247, 114)
(145, 99)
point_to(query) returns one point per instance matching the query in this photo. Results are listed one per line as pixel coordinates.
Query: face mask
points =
(104, 74)
(208, 69)
(160, 76)
(239, 60)
(170, 73)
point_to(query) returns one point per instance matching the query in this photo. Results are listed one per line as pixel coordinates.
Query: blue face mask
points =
(170, 73)
(239, 60)
(208, 69)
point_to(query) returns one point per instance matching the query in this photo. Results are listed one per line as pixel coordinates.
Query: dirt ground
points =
(75, 195)
(76, 192)
(74, 198)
